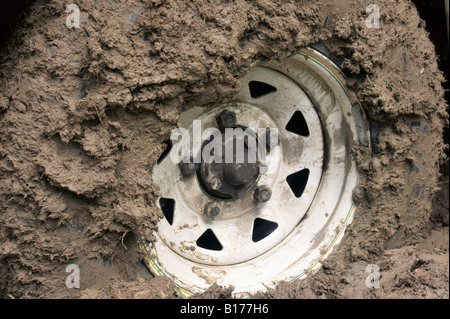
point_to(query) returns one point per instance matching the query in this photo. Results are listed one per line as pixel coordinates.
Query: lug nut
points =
(187, 166)
(226, 119)
(263, 194)
(212, 210)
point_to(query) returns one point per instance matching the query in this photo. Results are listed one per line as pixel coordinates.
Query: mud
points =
(84, 112)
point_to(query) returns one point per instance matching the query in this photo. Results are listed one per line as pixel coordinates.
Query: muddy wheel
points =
(309, 175)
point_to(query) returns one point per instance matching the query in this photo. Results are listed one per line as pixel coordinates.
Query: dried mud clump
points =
(84, 112)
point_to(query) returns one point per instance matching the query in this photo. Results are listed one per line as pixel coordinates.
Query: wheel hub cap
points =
(226, 180)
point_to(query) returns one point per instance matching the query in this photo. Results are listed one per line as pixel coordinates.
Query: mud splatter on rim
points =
(286, 238)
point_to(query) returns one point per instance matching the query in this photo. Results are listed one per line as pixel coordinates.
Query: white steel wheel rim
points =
(309, 226)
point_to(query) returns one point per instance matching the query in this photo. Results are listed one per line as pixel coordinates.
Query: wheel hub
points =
(225, 180)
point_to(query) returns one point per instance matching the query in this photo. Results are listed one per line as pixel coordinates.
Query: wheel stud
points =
(212, 210)
(226, 119)
(187, 166)
(262, 194)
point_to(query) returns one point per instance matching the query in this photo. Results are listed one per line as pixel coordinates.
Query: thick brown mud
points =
(84, 112)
